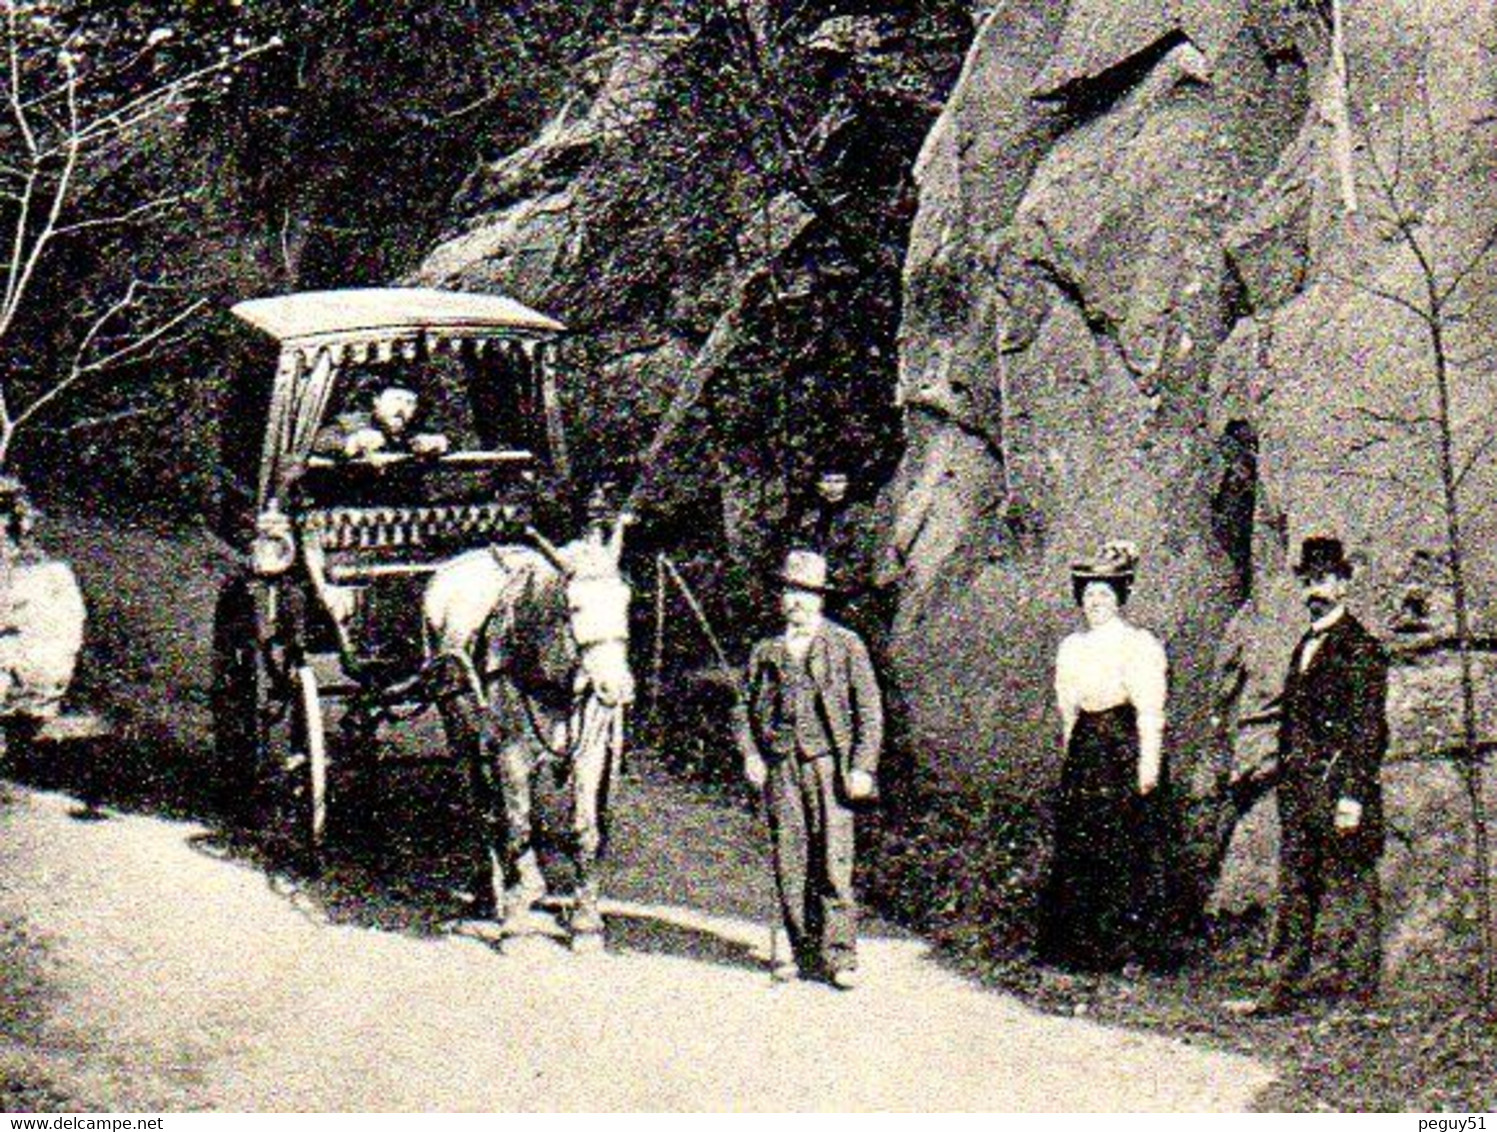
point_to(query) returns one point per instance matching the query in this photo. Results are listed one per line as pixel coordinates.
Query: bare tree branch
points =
(1469, 361)
(114, 68)
(160, 99)
(1381, 293)
(1470, 265)
(1366, 445)
(101, 421)
(18, 247)
(1399, 143)
(1407, 229)
(1409, 421)
(17, 103)
(463, 111)
(1340, 471)
(24, 260)
(797, 165)
(52, 131)
(136, 348)
(1474, 457)
(140, 212)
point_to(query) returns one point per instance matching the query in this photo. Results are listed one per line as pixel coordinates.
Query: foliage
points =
(93, 98)
(965, 869)
(329, 160)
(768, 183)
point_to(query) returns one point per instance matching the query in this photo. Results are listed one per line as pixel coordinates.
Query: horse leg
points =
(591, 772)
(456, 691)
(524, 882)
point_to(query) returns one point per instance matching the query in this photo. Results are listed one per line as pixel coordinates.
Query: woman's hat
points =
(1320, 555)
(805, 570)
(1115, 561)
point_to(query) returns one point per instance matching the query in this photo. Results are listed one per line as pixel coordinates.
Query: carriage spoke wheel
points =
(308, 761)
(270, 745)
(249, 739)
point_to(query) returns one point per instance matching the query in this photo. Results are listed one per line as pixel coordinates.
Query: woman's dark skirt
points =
(1104, 903)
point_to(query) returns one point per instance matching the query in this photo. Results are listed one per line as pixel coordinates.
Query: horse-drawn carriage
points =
(376, 549)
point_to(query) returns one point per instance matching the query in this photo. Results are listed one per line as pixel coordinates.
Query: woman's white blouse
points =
(1098, 669)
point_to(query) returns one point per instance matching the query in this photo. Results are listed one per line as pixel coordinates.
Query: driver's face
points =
(394, 409)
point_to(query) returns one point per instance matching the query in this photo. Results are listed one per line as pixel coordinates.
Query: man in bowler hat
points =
(810, 732)
(1332, 738)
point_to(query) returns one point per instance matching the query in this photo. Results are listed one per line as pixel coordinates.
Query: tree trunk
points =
(1470, 756)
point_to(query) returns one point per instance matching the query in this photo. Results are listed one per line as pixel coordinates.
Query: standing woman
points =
(1111, 680)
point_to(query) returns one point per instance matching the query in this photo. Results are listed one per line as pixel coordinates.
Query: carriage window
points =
(430, 408)
(393, 404)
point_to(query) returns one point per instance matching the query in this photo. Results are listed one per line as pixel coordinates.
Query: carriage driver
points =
(386, 427)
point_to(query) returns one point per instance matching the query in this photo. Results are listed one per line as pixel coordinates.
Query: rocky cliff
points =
(1159, 271)
(1164, 284)
(721, 208)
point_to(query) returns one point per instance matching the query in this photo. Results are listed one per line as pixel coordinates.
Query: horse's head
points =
(597, 599)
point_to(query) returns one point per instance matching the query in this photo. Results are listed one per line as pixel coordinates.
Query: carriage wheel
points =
(268, 728)
(251, 740)
(309, 738)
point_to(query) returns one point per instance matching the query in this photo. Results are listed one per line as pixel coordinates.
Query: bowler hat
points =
(1115, 561)
(805, 570)
(1320, 555)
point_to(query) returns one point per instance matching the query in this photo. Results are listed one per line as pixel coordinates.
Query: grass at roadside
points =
(1426, 1047)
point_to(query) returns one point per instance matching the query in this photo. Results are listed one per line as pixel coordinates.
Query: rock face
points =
(1066, 291)
(721, 207)
(1165, 280)
(1138, 306)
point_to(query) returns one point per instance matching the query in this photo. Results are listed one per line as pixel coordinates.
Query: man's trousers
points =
(811, 832)
(1318, 873)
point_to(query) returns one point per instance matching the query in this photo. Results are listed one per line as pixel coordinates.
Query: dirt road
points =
(174, 977)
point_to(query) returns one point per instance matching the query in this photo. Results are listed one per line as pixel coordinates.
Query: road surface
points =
(171, 975)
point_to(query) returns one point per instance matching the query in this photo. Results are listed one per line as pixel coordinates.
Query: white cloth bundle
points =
(41, 635)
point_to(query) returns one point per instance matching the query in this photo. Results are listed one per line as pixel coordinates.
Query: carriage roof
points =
(316, 332)
(374, 314)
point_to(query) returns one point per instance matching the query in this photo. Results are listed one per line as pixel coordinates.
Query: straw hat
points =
(805, 570)
(1117, 560)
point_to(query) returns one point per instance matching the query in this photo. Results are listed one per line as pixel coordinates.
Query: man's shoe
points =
(847, 978)
(784, 972)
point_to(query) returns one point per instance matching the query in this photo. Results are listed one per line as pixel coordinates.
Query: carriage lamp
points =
(273, 550)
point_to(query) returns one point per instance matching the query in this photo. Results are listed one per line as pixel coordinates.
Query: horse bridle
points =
(593, 631)
(589, 719)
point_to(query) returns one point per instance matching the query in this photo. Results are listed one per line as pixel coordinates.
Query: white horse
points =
(530, 655)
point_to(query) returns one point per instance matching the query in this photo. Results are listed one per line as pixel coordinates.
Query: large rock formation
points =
(1136, 302)
(721, 206)
(1137, 305)
(1066, 290)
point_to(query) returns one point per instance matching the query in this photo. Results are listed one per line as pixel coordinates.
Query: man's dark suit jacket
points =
(1333, 735)
(847, 698)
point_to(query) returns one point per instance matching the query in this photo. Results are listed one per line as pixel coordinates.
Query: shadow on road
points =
(654, 934)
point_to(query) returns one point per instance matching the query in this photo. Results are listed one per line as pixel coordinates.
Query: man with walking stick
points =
(810, 730)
